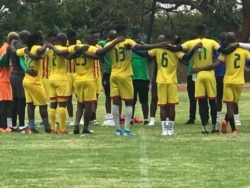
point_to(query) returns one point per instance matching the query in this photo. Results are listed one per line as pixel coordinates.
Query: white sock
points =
(128, 114)
(163, 126)
(9, 122)
(171, 125)
(236, 117)
(116, 116)
(218, 117)
(71, 119)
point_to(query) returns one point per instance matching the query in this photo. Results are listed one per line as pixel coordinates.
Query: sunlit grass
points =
(147, 160)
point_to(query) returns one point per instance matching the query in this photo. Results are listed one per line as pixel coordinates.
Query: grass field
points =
(189, 159)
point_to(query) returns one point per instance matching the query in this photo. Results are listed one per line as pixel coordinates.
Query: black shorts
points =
(141, 88)
(106, 83)
(16, 81)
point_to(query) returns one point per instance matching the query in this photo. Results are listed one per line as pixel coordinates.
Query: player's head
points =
(200, 30)
(24, 35)
(35, 38)
(12, 36)
(112, 34)
(222, 37)
(121, 30)
(230, 37)
(61, 38)
(161, 38)
(51, 37)
(95, 36)
(72, 36)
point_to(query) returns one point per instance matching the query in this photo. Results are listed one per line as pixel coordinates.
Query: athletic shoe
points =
(171, 132)
(164, 133)
(53, 131)
(189, 122)
(76, 129)
(234, 132)
(47, 130)
(151, 121)
(108, 116)
(224, 126)
(137, 120)
(33, 130)
(86, 131)
(128, 133)
(146, 122)
(204, 132)
(71, 123)
(215, 131)
(108, 122)
(118, 132)
(64, 132)
(237, 123)
(14, 129)
(94, 122)
(24, 130)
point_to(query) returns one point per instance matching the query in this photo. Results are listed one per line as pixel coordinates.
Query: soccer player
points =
(140, 83)
(95, 37)
(58, 84)
(166, 80)
(85, 85)
(34, 91)
(120, 80)
(16, 79)
(233, 79)
(205, 84)
(72, 40)
(5, 85)
(154, 98)
(46, 63)
(107, 64)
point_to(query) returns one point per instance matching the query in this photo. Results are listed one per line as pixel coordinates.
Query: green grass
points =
(147, 160)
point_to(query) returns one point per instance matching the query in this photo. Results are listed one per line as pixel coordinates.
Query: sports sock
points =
(32, 124)
(236, 117)
(164, 126)
(218, 116)
(62, 117)
(116, 116)
(9, 122)
(128, 114)
(52, 118)
(232, 123)
(204, 128)
(171, 125)
(46, 124)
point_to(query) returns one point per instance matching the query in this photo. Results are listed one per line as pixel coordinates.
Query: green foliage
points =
(102, 15)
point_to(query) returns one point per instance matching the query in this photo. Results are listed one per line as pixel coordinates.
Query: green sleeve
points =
(4, 60)
(22, 64)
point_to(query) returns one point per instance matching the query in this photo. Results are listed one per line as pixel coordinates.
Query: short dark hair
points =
(200, 29)
(71, 33)
(51, 34)
(120, 28)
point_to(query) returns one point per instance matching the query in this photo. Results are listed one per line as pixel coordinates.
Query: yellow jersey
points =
(121, 58)
(167, 62)
(235, 65)
(58, 67)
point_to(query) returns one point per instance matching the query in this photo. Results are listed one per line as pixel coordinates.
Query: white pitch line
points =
(144, 181)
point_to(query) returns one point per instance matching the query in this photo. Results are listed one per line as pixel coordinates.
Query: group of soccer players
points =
(33, 71)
